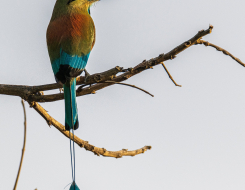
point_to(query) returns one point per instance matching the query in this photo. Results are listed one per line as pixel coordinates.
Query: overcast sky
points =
(197, 132)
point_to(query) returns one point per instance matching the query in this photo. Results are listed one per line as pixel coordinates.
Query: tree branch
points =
(30, 93)
(98, 81)
(24, 145)
(25, 91)
(206, 43)
(133, 86)
(84, 144)
(169, 75)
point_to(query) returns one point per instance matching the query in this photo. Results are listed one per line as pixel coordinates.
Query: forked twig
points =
(170, 75)
(24, 145)
(206, 43)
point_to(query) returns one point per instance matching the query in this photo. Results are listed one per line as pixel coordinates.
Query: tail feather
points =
(71, 117)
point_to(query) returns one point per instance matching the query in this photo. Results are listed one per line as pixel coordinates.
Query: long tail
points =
(71, 117)
(71, 121)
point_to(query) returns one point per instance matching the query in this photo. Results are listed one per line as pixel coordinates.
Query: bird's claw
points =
(61, 90)
(86, 75)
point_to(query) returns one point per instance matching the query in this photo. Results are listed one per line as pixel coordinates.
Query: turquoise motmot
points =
(70, 39)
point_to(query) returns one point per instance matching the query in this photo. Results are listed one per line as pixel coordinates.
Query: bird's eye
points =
(69, 1)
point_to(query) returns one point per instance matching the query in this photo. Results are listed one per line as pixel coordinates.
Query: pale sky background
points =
(197, 132)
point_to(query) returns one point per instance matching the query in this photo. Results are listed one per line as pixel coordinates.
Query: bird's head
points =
(70, 6)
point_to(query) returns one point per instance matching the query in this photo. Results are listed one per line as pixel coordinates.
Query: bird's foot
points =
(86, 75)
(61, 90)
(40, 93)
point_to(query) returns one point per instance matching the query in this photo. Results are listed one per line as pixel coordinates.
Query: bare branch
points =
(206, 43)
(170, 75)
(84, 144)
(30, 93)
(133, 71)
(98, 81)
(25, 91)
(24, 145)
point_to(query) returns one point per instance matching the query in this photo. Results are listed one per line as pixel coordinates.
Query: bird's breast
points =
(75, 34)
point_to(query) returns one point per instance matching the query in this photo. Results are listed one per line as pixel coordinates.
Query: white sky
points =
(197, 132)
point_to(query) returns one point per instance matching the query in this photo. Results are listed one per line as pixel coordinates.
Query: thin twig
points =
(130, 86)
(206, 43)
(24, 145)
(84, 144)
(170, 75)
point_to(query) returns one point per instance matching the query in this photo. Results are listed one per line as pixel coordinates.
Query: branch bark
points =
(85, 144)
(206, 43)
(169, 75)
(98, 81)
(30, 93)
(24, 146)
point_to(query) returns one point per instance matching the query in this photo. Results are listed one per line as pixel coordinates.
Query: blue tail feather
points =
(71, 117)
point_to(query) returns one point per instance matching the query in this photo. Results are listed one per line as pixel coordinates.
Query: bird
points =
(70, 39)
